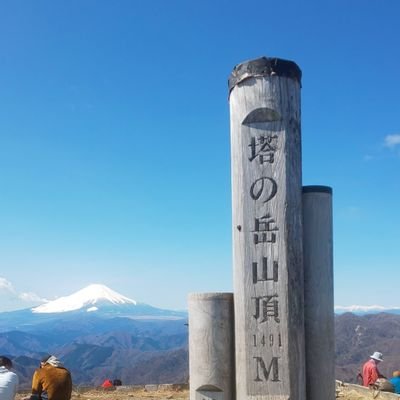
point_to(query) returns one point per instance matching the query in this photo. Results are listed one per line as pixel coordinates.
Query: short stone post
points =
(211, 346)
(267, 230)
(318, 292)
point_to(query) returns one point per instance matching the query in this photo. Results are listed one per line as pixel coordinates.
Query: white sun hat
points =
(377, 356)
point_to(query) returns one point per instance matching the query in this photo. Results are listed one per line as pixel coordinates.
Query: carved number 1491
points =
(267, 340)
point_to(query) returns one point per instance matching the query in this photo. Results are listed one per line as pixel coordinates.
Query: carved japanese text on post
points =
(264, 362)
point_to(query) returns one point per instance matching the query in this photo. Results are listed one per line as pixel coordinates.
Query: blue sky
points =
(114, 140)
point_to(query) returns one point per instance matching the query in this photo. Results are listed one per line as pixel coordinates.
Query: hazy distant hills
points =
(119, 352)
(357, 337)
(364, 310)
(100, 334)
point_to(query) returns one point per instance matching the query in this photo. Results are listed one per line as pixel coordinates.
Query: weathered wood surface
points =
(211, 346)
(267, 231)
(318, 292)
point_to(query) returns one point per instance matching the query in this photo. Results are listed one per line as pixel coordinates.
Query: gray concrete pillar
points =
(318, 292)
(211, 346)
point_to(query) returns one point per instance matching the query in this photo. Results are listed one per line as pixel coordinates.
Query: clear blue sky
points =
(114, 140)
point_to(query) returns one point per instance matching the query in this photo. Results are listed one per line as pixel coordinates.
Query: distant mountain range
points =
(101, 334)
(98, 334)
(357, 337)
(363, 310)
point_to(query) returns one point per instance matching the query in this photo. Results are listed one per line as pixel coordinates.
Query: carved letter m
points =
(260, 365)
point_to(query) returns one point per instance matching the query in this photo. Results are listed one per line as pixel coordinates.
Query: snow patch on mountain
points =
(363, 309)
(87, 297)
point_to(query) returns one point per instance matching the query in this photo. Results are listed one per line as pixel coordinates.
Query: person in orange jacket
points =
(52, 381)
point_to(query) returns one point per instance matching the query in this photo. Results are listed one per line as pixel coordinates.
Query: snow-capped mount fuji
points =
(88, 298)
(95, 302)
(95, 331)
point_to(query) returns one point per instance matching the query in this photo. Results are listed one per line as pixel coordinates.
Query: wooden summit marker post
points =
(267, 230)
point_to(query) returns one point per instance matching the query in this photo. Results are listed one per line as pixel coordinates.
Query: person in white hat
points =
(370, 370)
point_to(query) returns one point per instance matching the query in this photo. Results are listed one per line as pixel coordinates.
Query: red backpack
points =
(107, 384)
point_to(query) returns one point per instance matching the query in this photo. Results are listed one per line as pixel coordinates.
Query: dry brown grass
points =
(159, 395)
(125, 395)
(351, 395)
(131, 395)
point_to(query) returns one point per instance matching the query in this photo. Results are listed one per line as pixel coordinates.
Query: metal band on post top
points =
(317, 189)
(264, 67)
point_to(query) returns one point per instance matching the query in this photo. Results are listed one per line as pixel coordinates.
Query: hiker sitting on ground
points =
(395, 381)
(370, 370)
(8, 380)
(51, 381)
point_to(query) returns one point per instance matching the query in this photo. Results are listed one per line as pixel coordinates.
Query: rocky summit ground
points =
(98, 394)
(138, 395)
(351, 395)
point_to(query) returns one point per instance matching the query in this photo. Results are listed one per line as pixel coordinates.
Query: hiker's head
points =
(43, 361)
(378, 357)
(396, 374)
(5, 362)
